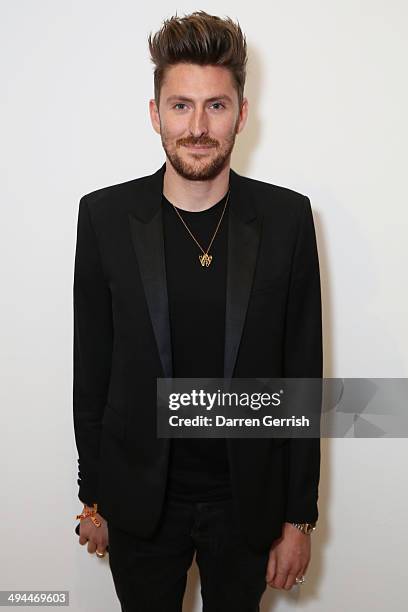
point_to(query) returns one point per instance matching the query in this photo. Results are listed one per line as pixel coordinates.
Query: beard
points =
(200, 168)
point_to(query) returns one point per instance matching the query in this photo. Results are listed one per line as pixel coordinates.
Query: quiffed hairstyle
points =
(202, 39)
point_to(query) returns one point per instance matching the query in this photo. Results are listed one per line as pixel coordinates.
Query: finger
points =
(101, 541)
(302, 572)
(83, 539)
(280, 579)
(271, 568)
(273, 585)
(101, 546)
(91, 547)
(290, 581)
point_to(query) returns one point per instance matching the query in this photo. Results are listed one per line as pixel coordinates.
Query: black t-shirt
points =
(198, 468)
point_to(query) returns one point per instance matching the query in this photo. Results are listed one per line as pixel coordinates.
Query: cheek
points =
(174, 128)
(224, 129)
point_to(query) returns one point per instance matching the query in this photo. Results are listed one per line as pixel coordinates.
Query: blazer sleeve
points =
(92, 352)
(303, 358)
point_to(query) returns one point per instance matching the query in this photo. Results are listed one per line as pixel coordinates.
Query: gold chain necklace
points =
(205, 258)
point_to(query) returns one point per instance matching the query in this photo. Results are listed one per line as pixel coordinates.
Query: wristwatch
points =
(305, 527)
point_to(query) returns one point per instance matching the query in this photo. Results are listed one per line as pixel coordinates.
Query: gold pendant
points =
(205, 259)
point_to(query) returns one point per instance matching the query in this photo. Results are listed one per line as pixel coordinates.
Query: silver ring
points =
(300, 580)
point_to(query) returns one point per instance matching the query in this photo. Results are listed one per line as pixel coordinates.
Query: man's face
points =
(198, 106)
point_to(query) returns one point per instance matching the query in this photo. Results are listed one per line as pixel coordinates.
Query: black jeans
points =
(150, 575)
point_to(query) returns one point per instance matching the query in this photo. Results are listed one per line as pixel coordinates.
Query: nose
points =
(198, 124)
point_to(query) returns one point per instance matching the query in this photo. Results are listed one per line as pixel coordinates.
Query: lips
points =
(198, 146)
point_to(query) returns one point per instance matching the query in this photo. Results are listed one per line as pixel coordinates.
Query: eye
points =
(217, 104)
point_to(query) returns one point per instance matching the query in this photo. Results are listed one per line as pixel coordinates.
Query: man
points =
(194, 271)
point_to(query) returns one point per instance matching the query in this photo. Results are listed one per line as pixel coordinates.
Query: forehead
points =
(195, 80)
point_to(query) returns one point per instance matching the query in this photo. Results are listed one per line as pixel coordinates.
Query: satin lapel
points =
(146, 227)
(244, 231)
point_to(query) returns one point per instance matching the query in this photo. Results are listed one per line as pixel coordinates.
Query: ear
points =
(154, 115)
(243, 116)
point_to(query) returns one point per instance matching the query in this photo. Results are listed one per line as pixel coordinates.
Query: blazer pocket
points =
(114, 422)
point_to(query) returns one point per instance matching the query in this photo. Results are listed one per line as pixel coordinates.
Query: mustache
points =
(205, 142)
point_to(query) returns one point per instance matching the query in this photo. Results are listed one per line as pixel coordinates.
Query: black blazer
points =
(122, 344)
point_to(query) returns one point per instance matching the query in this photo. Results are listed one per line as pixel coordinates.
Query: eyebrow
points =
(212, 99)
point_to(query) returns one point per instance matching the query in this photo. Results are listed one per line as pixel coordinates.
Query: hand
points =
(289, 558)
(97, 537)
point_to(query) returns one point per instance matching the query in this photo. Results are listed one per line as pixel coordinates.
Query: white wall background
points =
(328, 103)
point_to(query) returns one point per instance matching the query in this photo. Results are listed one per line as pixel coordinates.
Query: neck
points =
(191, 195)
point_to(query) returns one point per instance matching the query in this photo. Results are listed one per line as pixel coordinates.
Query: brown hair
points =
(199, 38)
